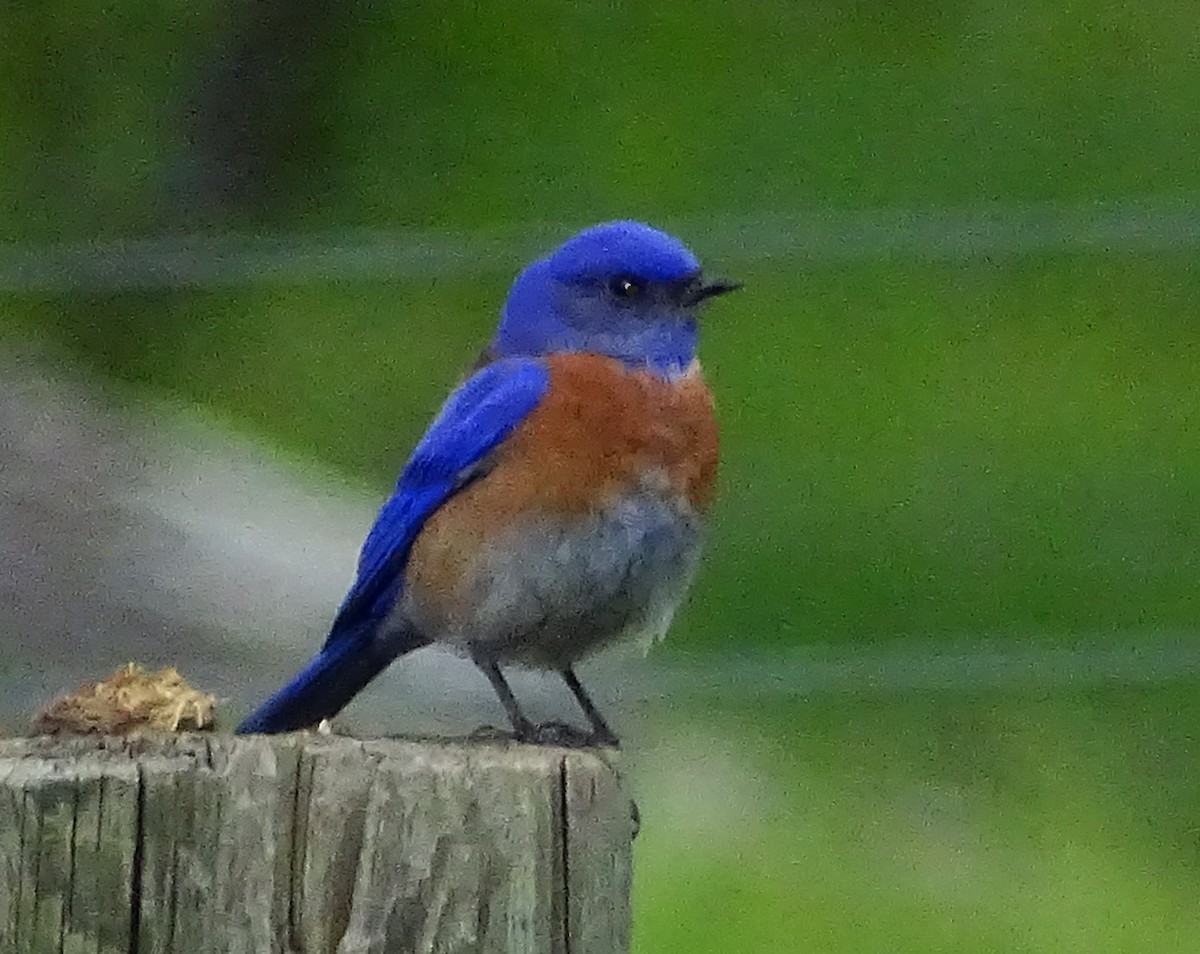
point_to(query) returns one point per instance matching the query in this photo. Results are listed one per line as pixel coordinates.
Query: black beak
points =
(719, 286)
(702, 291)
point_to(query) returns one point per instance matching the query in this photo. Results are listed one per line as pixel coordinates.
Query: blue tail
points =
(324, 687)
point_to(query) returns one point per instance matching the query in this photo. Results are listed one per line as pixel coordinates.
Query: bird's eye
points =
(624, 287)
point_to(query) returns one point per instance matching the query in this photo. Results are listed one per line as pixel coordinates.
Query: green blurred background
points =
(958, 395)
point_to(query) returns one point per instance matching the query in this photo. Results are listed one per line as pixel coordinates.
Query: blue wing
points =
(474, 421)
(476, 418)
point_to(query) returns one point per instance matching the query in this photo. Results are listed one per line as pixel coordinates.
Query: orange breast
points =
(601, 431)
(601, 428)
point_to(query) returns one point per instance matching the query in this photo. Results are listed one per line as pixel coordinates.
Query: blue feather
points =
(475, 420)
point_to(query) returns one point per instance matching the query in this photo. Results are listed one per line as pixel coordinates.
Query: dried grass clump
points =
(130, 700)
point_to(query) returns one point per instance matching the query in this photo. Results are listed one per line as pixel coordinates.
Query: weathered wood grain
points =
(309, 845)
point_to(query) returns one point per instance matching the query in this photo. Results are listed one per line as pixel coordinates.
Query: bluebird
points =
(557, 502)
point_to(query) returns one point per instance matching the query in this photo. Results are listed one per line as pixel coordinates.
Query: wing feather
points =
(475, 419)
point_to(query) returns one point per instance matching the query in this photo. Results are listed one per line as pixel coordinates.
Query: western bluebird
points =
(557, 501)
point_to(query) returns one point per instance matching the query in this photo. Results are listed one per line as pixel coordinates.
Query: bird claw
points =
(566, 736)
(559, 734)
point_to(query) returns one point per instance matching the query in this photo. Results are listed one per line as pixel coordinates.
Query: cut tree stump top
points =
(309, 844)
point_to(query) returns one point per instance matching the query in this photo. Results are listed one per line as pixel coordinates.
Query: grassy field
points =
(986, 822)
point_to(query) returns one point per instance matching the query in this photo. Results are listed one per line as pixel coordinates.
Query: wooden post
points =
(309, 845)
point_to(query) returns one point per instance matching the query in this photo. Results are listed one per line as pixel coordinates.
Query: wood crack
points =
(565, 836)
(299, 833)
(135, 873)
(69, 892)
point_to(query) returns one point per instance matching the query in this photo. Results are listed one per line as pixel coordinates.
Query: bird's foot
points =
(547, 733)
(566, 736)
(604, 738)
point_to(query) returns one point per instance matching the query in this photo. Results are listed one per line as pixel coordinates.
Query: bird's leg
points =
(601, 733)
(523, 729)
(551, 733)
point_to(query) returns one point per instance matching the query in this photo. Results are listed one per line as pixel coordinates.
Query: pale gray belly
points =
(550, 591)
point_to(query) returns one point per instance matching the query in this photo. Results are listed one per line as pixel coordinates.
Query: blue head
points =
(621, 289)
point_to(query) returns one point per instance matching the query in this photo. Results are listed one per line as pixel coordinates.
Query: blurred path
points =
(135, 532)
